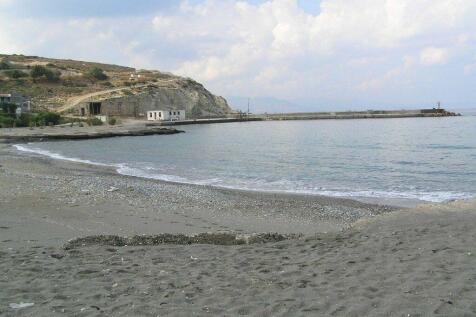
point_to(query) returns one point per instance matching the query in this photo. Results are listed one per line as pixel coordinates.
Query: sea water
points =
(425, 159)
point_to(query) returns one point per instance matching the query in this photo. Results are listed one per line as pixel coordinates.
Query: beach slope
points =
(354, 259)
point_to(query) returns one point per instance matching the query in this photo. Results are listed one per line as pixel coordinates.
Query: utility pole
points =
(248, 113)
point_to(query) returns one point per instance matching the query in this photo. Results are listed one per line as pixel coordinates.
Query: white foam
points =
(56, 156)
(20, 305)
(438, 196)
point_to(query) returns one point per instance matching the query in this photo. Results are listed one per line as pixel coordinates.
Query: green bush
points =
(6, 121)
(53, 76)
(112, 121)
(65, 120)
(24, 120)
(38, 71)
(107, 84)
(48, 118)
(16, 74)
(9, 119)
(98, 73)
(8, 108)
(94, 121)
(4, 65)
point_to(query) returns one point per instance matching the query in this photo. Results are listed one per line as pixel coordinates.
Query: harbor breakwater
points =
(369, 114)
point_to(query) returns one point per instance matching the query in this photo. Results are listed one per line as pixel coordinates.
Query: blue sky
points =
(92, 8)
(298, 54)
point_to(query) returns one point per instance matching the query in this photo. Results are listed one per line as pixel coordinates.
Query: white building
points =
(166, 115)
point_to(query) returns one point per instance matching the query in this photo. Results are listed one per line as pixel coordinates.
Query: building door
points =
(94, 108)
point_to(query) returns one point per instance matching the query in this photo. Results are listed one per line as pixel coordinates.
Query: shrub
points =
(4, 65)
(38, 71)
(94, 121)
(8, 108)
(98, 73)
(112, 121)
(16, 74)
(48, 118)
(6, 121)
(24, 120)
(107, 84)
(53, 75)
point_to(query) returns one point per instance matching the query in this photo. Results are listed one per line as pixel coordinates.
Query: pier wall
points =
(370, 114)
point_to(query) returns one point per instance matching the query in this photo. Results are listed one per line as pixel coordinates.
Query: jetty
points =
(368, 114)
(16, 135)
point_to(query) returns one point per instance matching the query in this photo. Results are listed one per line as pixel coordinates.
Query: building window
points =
(174, 113)
(170, 113)
(160, 114)
(150, 114)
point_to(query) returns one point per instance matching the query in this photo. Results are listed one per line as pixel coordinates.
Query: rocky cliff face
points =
(189, 95)
(177, 94)
(122, 91)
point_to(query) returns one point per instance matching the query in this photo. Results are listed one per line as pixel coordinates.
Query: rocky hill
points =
(59, 85)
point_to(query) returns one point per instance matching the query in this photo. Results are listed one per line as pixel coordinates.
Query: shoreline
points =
(79, 187)
(400, 202)
(83, 240)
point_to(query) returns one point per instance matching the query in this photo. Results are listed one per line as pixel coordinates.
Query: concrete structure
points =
(166, 115)
(22, 102)
(369, 114)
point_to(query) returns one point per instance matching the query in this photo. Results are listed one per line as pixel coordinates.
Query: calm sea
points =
(428, 159)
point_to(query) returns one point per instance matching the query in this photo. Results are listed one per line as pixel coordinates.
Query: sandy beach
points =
(330, 257)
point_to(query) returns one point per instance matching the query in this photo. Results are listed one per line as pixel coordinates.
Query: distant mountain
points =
(264, 104)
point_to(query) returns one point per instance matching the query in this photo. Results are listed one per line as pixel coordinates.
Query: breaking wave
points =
(259, 185)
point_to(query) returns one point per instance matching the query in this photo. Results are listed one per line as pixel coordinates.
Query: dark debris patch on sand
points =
(410, 263)
(180, 239)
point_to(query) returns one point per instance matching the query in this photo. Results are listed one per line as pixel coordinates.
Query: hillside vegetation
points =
(52, 84)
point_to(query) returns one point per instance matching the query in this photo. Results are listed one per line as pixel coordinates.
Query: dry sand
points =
(355, 259)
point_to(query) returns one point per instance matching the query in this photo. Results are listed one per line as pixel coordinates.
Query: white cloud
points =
(272, 48)
(434, 56)
(470, 68)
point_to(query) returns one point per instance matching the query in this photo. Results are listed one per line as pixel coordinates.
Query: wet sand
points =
(352, 259)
